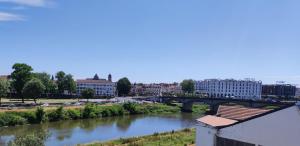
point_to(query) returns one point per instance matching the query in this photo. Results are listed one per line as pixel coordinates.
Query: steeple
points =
(96, 77)
(110, 78)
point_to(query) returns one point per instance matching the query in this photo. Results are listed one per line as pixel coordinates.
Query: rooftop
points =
(216, 121)
(238, 112)
(88, 81)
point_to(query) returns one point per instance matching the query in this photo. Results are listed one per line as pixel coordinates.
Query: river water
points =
(69, 133)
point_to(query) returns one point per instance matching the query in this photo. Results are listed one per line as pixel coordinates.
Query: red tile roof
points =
(239, 113)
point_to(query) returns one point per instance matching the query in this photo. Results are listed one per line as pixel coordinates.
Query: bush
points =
(58, 114)
(73, 114)
(131, 107)
(40, 115)
(90, 111)
(30, 140)
(11, 120)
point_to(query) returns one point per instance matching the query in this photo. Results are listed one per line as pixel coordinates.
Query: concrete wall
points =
(205, 136)
(281, 128)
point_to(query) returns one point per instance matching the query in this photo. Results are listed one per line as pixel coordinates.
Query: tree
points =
(188, 86)
(4, 88)
(88, 93)
(69, 83)
(65, 82)
(20, 75)
(123, 87)
(60, 81)
(50, 85)
(33, 89)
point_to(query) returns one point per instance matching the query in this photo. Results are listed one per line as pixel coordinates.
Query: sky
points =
(154, 40)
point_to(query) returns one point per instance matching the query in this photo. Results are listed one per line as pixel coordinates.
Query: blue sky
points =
(154, 40)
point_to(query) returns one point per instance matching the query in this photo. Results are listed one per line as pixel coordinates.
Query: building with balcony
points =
(102, 87)
(230, 88)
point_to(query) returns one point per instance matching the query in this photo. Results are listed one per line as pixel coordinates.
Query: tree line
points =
(28, 84)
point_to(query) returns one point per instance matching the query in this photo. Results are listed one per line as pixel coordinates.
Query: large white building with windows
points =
(230, 88)
(102, 87)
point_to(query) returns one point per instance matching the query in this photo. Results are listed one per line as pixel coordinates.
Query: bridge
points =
(187, 102)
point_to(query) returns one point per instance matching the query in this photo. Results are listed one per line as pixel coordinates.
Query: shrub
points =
(11, 120)
(58, 114)
(90, 111)
(40, 115)
(30, 140)
(131, 107)
(73, 114)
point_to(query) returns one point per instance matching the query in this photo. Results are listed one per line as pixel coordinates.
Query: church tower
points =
(109, 78)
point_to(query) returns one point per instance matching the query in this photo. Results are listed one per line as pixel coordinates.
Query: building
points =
(102, 87)
(5, 77)
(140, 89)
(279, 90)
(230, 88)
(297, 92)
(239, 126)
(154, 89)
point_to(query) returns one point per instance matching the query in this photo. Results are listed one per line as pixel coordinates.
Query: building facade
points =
(155, 89)
(102, 87)
(297, 92)
(280, 90)
(230, 88)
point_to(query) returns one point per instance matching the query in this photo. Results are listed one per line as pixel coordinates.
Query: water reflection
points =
(84, 131)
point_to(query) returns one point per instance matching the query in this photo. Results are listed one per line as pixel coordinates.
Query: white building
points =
(236, 126)
(102, 87)
(241, 89)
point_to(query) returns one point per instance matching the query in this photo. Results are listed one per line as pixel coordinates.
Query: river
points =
(69, 133)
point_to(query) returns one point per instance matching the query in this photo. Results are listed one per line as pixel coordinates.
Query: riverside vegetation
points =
(89, 111)
(175, 138)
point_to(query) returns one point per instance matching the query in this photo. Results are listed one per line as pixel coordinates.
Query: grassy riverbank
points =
(184, 137)
(89, 111)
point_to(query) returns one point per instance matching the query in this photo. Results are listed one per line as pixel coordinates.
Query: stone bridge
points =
(187, 102)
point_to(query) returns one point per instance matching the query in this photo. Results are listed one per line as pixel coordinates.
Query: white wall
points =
(205, 136)
(281, 128)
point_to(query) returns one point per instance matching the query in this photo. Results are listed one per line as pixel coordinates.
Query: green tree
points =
(60, 76)
(69, 83)
(88, 93)
(123, 87)
(36, 139)
(33, 89)
(50, 85)
(188, 86)
(4, 88)
(20, 75)
(65, 82)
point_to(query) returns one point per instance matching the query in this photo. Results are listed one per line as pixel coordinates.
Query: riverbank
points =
(184, 137)
(41, 115)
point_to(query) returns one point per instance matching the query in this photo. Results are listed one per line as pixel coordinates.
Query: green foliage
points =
(45, 78)
(88, 93)
(20, 75)
(4, 88)
(90, 111)
(58, 114)
(65, 82)
(188, 86)
(175, 138)
(33, 89)
(74, 114)
(40, 115)
(131, 107)
(11, 120)
(123, 87)
(37, 139)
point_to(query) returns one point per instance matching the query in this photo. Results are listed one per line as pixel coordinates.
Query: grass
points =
(184, 137)
(7, 100)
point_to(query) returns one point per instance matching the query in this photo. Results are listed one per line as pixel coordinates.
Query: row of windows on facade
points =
(107, 85)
